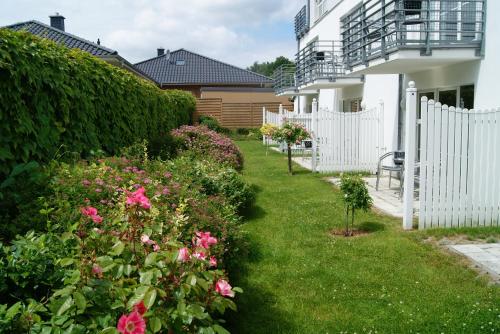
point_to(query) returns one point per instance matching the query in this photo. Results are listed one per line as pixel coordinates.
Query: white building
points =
(369, 50)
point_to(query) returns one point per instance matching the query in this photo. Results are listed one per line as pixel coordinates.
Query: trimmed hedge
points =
(55, 100)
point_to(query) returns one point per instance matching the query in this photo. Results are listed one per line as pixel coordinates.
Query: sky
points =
(235, 31)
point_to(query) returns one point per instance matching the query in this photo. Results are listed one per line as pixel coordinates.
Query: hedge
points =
(55, 100)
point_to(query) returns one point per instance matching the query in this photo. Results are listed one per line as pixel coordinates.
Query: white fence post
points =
(410, 154)
(264, 121)
(381, 118)
(281, 122)
(314, 126)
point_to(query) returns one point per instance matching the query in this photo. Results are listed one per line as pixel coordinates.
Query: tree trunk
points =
(289, 159)
(352, 221)
(346, 221)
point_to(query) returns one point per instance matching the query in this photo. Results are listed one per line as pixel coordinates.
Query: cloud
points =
(235, 31)
(228, 30)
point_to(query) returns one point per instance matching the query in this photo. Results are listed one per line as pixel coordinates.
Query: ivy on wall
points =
(54, 99)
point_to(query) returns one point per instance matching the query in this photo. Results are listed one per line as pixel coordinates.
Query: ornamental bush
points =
(204, 143)
(129, 242)
(55, 100)
(289, 134)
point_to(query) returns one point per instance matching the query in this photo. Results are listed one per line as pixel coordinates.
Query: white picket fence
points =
(341, 141)
(283, 116)
(350, 141)
(459, 166)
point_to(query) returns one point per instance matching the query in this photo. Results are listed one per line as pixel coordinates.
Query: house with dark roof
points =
(233, 95)
(187, 70)
(56, 32)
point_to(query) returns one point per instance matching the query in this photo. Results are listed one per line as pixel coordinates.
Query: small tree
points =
(356, 197)
(267, 130)
(290, 133)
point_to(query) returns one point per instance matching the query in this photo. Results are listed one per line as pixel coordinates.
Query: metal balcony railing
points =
(301, 23)
(319, 60)
(377, 28)
(284, 79)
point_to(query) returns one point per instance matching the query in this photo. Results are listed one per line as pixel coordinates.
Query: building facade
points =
(355, 54)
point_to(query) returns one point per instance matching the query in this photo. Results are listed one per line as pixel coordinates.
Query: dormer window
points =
(180, 62)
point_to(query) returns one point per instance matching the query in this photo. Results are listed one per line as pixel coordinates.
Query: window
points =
(352, 105)
(180, 62)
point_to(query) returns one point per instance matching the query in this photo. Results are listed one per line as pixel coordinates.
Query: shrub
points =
(289, 133)
(243, 131)
(213, 124)
(214, 179)
(18, 199)
(207, 144)
(124, 236)
(356, 197)
(54, 98)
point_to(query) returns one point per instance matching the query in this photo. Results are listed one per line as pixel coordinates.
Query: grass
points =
(300, 279)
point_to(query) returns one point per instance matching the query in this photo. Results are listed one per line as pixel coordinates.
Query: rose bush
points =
(290, 134)
(131, 246)
(207, 144)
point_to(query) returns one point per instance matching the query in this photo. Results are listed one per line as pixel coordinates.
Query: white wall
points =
(376, 87)
(487, 91)
(484, 74)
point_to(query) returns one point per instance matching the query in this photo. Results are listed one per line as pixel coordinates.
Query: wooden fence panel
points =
(235, 115)
(208, 107)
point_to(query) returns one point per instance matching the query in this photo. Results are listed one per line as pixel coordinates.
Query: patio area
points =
(386, 199)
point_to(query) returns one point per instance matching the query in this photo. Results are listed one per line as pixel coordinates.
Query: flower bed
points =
(203, 142)
(132, 246)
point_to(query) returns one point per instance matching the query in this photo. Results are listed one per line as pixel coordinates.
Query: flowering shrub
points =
(133, 246)
(207, 144)
(290, 133)
(268, 130)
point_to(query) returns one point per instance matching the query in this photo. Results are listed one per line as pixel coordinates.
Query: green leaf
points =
(149, 298)
(80, 301)
(109, 330)
(146, 277)
(139, 294)
(65, 305)
(155, 324)
(191, 280)
(66, 262)
(13, 311)
(220, 330)
(117, 249)
(150, 259)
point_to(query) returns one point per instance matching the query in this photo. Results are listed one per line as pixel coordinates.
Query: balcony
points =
(284, 81)
(320, 65)
(405, 36)
(301, 23)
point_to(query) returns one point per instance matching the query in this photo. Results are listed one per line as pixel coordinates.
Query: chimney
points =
(57, 21)
(161, 51)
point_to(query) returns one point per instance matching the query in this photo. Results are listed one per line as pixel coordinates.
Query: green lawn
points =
(299, 279)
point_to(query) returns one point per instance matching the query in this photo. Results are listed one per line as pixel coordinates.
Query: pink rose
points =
(213, 262)
(224, 289)
(138, 197)
(183, 255)
(205, 240)
(144, 239)
(133, 323)
(97, 270)
(89, 211)
(96, 219)
(200, 255)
